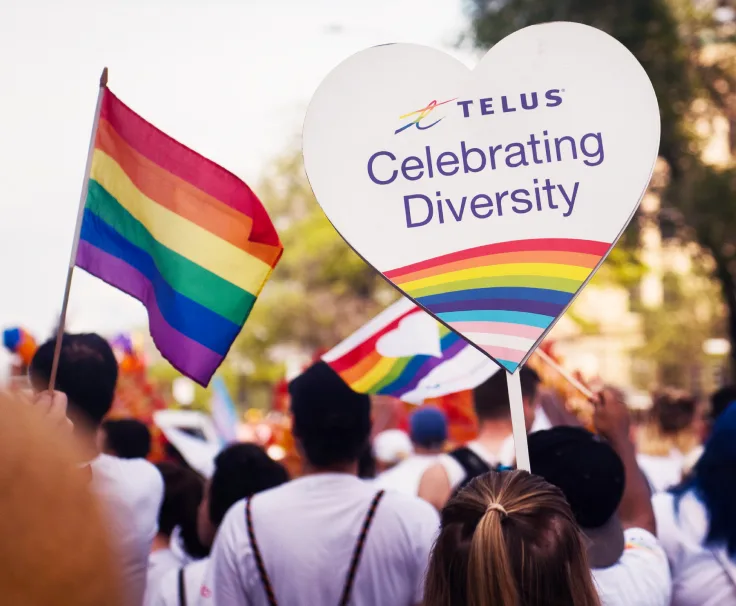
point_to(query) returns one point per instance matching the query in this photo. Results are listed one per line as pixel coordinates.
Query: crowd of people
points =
(628, 514)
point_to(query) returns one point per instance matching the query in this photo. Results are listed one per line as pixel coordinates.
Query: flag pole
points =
(77, 230)
(566, 375)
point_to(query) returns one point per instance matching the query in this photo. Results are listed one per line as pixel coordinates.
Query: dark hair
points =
(721, 400)
(491, 399)
(241, 470)
(331, 422)
(183, 491)
(127, 438)
(367, 463)
(88, 373)
(509, 538)
(712, 481)
(673, 410)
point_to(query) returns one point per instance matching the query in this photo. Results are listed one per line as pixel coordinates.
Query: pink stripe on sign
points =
(184, 354)
(504, 353)
(499, 328)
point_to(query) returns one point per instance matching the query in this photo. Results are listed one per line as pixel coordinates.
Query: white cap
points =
(392, 446)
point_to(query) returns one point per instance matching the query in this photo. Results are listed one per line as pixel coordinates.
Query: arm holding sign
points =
(612, 422)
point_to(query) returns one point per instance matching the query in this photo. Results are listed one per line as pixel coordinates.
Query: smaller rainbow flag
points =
(181, 234)
(504, 296)
(405, 353)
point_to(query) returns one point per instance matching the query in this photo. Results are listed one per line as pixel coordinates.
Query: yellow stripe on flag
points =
(179, 234)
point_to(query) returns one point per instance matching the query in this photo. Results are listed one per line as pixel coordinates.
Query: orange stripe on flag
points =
(354, 373)
(182, 197)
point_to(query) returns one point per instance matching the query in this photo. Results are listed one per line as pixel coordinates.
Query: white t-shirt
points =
(167, 593)
(163, 561)
(306, 531)
(131, 491)
(640, 578)
(662, 472)
(405, 476)
(699, 572)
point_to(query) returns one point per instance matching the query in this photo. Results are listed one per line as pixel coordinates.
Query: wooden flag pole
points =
(567, 376)
(75, 241)
(518, 423)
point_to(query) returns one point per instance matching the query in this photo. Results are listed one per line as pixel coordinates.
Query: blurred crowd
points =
(613, 512)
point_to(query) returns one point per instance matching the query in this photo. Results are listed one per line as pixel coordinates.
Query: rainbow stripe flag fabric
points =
(405, 353)
(182, 235)
(503, 297)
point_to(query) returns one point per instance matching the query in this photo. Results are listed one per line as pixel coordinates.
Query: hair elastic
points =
(497, 507)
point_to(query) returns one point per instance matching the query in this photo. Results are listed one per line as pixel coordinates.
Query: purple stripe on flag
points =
(432, 363)
(186, 355)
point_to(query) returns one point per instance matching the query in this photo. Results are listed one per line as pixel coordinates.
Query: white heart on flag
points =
(416, 335)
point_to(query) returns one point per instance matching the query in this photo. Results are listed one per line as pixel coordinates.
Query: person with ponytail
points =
(509, 538)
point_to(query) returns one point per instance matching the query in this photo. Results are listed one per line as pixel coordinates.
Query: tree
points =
(688, 50)
(320, 291)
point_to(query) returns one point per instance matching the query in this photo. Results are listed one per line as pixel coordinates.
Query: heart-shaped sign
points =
(488, 197)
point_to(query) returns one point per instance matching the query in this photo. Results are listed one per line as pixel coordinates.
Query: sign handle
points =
(518, 424)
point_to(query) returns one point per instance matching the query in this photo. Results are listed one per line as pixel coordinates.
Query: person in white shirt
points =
(240, 471)
(177, 542)
(428, 433)
(327, 537)
(609, 496)
(494, 446)
(696, 522)
(130, 490)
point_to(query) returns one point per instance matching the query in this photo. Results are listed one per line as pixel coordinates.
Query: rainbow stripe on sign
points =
(503, 296)
(367, 371)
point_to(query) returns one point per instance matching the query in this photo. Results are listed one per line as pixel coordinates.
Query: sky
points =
(229, 78)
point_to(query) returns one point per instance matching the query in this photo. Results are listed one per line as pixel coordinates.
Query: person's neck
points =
(160, 542)
(493, 434)
(86, 441)
(346, 468)
(423, 450)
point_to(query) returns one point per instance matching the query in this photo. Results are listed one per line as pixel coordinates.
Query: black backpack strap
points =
(182, 588)
(471, 463)
(265, 581)
(358, 551)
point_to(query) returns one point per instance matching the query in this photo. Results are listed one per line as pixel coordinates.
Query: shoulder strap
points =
(182, 588)
(471, 463)
(358, 551)
(265, 581)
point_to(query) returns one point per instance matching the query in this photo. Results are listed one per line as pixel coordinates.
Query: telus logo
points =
(510, 103)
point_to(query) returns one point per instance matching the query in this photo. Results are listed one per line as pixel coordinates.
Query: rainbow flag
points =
(405, 353)
(502, 297)
(182, 235)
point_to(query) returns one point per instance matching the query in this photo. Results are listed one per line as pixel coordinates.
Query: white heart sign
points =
(489, 197)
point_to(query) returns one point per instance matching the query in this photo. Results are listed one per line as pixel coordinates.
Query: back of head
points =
(54, 549)
(509, 538)
(127, 438)
(491, 399)
(428, 428)
(183, 491)
(713, 480)
(585, 468)
(88, 373)
(241, 470)
(673, 411)
(330, 420)
(721, 400)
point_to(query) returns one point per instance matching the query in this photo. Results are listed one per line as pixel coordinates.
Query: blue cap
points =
(428, 427)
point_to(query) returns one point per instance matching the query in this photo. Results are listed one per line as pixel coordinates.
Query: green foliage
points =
(320, 291)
